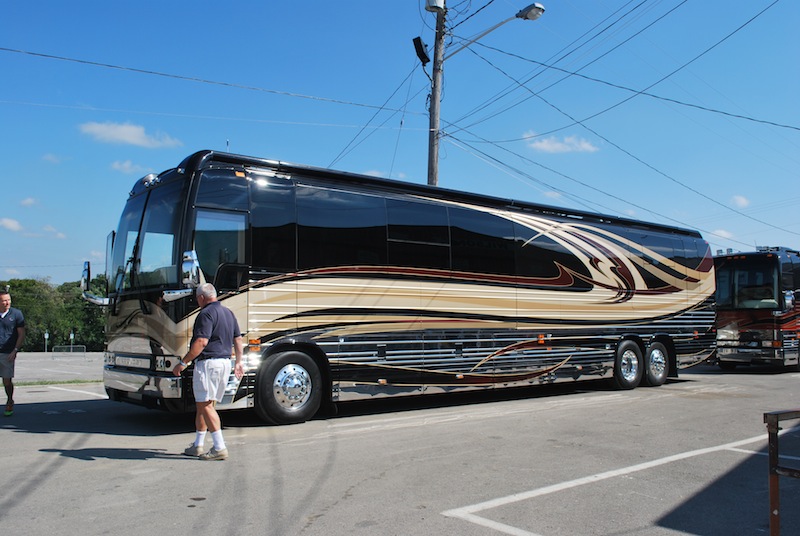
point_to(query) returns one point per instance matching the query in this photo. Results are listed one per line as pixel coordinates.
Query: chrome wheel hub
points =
(658, 363)
(292, 387)
(629, 366)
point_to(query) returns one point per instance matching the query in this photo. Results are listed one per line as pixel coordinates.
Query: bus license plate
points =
(134, 362)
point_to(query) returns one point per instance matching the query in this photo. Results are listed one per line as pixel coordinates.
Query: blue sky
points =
(671, 111)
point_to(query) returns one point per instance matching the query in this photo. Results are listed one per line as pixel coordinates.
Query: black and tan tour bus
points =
(352, 287)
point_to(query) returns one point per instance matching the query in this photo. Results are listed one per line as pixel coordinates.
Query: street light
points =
(532, 12)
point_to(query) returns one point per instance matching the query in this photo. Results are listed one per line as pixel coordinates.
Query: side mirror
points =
(190, 269)
(86, 276)
(86, 279)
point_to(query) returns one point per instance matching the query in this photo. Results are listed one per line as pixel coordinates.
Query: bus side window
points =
(340, 228)
(481, 242)
(219, 240)
(418, 234)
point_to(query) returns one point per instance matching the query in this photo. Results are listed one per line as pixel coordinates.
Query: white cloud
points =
(53, 159)
(568, 144)
(28, 201)
(11, 225)
(722, 233)
(553, 195)
(128, 167)
(127, 134)
(740, 201)
(54, 232)
(97, 254)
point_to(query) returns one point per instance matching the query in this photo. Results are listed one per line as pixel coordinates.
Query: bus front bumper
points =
(141, 384)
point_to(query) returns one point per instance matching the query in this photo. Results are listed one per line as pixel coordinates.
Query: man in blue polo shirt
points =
(215, 332)
(12, 335)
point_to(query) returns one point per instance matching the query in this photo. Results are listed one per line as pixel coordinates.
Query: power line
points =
(189, 78)
(638, 159)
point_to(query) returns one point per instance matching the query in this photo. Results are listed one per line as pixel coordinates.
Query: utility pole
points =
(436, 97)
(532, 12)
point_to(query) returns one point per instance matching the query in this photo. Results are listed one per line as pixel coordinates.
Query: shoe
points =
(215, 454)
(193, 450)
(9, 409)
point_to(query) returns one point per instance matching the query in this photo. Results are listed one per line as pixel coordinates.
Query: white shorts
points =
(210, 379)
(6, 366)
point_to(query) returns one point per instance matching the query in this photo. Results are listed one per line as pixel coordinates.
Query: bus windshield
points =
(145, 249)
(747, 284)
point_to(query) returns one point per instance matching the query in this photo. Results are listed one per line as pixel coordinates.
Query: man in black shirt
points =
(12, 335)
(215, 332)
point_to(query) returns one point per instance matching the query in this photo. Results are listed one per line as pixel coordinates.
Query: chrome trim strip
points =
(142, 383)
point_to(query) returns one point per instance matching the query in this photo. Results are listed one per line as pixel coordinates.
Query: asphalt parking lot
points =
(58, 367)
(685, 458)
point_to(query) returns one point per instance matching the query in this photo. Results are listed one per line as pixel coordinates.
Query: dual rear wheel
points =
(631, 368)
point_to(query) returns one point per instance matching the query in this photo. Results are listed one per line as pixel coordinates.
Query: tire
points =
(628, 368)
(656, 365)
(288, 388)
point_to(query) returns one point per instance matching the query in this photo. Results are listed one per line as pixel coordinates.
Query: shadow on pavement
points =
(95, 417)
(737, 503)
(93, 454)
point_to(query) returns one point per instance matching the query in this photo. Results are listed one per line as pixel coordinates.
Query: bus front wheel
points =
(288, 388)
(628, 365)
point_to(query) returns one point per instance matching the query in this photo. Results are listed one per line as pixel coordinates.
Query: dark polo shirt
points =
(216, 323)
(8, 330)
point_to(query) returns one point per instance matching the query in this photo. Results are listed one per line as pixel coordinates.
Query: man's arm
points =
(195, 350)
(238, 349)
(20, 340)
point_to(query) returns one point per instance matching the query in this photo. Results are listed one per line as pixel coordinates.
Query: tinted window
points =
(127, 234)
(273, 224)
(338, 228)
(157, 256)
(539, 257)
(219, 240)
(481, 242)
(223, 188)
(418, 234)
(657, 251)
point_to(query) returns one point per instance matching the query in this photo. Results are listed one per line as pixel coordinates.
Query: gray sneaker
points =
(215, 454)
(193, 450)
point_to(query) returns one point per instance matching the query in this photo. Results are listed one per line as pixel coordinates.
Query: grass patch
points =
(54, 382)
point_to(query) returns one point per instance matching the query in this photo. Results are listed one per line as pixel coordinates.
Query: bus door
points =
(219, 236)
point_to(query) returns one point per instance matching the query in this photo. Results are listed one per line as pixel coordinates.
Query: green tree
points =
(58, 311)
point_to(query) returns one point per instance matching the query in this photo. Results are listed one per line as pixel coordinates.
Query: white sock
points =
(199, 438)
(219, 443)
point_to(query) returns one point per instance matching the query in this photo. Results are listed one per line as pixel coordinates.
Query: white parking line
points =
(467, 513)
(762, 453)
(97, 395)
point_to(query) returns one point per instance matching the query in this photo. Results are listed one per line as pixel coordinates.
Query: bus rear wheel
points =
(656, 365)
(288, 388)
(628, 365)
